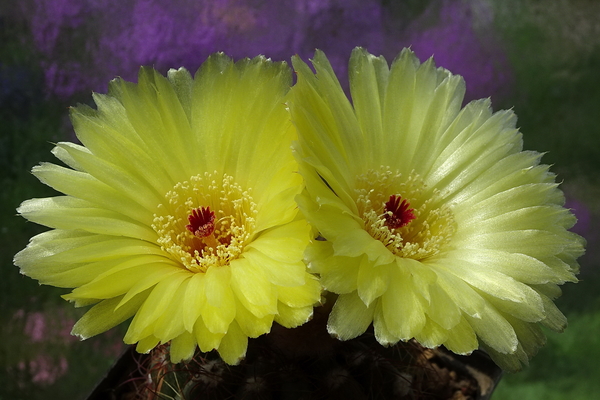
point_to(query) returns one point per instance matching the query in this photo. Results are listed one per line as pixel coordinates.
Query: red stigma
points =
(397, 213)
(202, 222)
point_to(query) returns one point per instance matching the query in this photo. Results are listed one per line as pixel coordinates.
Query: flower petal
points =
(403, 309)
(154, 306)
(373, 280)
(104, 315)
(70, 213)
(233, 345)
(218, 311)
(350, 317)
(462, 338)
(292, 317)
(182, 347)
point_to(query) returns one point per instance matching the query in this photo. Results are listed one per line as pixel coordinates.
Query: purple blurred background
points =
(85, 43)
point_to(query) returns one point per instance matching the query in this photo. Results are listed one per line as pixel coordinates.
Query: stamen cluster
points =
(412, 223)
(221, 220)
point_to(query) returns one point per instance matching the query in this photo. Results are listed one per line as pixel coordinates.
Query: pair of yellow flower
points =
(209, 207)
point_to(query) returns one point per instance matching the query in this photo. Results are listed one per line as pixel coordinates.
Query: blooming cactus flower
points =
(179, 211)
(437, 225)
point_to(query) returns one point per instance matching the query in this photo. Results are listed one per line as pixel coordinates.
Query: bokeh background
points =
(540, 58)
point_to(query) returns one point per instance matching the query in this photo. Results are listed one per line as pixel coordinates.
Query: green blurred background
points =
(540, 58)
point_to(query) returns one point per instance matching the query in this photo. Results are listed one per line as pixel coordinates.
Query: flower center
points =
(202, 225)
(397, 214)
(206, 221)
(400, 211)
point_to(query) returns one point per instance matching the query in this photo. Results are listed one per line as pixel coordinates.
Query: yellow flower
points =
(438, 226)
(179, 211)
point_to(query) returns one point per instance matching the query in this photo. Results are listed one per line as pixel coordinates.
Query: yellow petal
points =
(338, 274)
(154, 306)
(301, 296)
(170, 324)
(146, 344)
(462, 338)
(292, 317)
(373, 280)
(205, 338)
(194, 301)
(233, 345)
(432, 335)
(277, 272)
(494, 330)
(350, 317)
(182, 347)
(250, 324)
(104, 316)
(403, 309)
(119, 279)
(249, 282)
(69, 213)
(219, 309)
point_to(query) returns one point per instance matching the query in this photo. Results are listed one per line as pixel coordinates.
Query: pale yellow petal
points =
(489, 281)
(194, 301)
(521, 267)
(85, 187)
(461, 293)
(373, 280)
(442, 310)
(494, 330)
(368, 77)
(154, 306)
(144, 105)
(113, 141)
(251, 325)
(182, 82)
(350, 317)
(206, 339)
(462, 338)
(554, 319)
(58, 250)
(249, 282)
(355, 242)
(150, 280)
(65, 212)
(182, 347)
(301, 296)
(119, 178)
(233, 345)
(338, 274)
(119, 279)
(532, 242)
(105, 315)
(326, 121)
(291, 317)
(277, 272)
(403, 309)
(284, 243)
(432, 335)
(170, 324)
(146, 344)
(329, 219)
(382, 333)
(218, 311)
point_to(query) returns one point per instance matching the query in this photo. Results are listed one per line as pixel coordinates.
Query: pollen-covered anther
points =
(398, 212)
